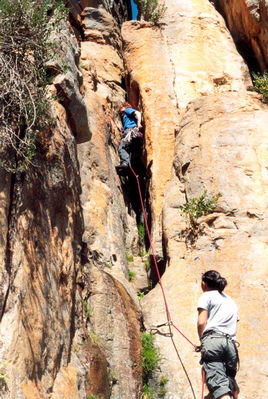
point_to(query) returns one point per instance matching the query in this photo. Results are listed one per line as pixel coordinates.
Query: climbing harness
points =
(169, 321)
(131, 133)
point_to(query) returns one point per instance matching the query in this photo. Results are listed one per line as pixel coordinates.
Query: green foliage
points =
(140, 295)
(94, 338)
(261, 84)
(131, 275)
(152, 389)
(92, 397)
(152, 10)
(155, 389)
(162, 386)
(141, 233)
(87, 309)
(200, 206)
(25, 28)
(129, 257)
(148, 392)
(150, 355)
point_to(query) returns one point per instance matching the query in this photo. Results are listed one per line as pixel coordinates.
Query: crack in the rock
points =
(173, 71)
(15, 190)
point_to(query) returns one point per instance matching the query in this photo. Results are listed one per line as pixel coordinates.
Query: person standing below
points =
(216, 326)
(131, 120)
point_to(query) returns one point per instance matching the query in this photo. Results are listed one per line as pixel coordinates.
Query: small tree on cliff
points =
(25, 27)
(261, 84)
(152, 11)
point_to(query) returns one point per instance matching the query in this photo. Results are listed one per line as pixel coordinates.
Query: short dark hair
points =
(214, 280)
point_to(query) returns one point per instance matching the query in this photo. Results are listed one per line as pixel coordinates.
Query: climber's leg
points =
(124, 152)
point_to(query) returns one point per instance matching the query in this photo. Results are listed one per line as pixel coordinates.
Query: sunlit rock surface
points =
(70, 317)
(221, 147)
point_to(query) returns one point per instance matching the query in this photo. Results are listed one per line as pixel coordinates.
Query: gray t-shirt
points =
(222, 312)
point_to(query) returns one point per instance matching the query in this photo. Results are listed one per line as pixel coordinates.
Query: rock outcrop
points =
(110, 230)
(188, 68)
(247, 21)
(70, 318)
(222, 151)
(65, 230)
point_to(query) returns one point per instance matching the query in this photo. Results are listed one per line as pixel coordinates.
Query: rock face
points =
(110, 230)
(65, 230)
(70, 318)
(222, 151)
(188, 68)
(247, 21)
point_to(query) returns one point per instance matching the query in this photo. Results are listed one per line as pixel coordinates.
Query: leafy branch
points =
(25, 47)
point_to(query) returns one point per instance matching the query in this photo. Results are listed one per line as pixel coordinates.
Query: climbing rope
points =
(169, 322)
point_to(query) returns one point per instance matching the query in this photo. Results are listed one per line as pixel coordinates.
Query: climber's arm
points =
(138, 118)
(201, 321)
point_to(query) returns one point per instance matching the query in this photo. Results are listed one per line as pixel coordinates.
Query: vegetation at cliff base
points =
(200, 206)
(150, 353)
(153, 387)
(25, 47)
(261, 84)
(152, 10)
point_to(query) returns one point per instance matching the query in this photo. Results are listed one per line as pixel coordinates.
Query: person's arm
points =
(201, 321)
(138, 118)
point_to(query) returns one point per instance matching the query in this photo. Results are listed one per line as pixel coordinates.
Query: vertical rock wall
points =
(220, 147)
(70, 324)
(70, 321)
(247, 21)
(110, 227)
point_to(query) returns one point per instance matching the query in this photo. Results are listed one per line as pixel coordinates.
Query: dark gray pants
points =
(219, 358)
(126, 143)
(124, 151)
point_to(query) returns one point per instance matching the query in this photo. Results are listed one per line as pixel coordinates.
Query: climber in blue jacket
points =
(131, 120)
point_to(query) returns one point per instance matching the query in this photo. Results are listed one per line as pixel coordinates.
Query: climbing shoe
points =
(122, 169)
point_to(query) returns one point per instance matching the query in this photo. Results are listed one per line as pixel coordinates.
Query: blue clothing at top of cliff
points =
(128, 118)
(134, 10)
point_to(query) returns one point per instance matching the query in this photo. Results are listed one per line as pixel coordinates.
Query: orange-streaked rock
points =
(221, 146)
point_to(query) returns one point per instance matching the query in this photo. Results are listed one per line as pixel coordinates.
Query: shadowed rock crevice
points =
(15, 187)
(247, 22)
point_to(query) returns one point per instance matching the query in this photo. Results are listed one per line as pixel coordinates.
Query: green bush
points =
(162, 386)
(131, 275)
(261, 84)
(141, 233)
(152, 10)
(25, 28)
(150, 355)
(148, 392)
(200, 206)
(129, 257)
(87, 309)
(140, 295)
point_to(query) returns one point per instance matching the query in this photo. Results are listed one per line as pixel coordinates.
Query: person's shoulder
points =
(203, 301)
(130, 110)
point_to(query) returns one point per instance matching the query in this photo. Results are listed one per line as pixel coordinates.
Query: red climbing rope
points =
(169, 320)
